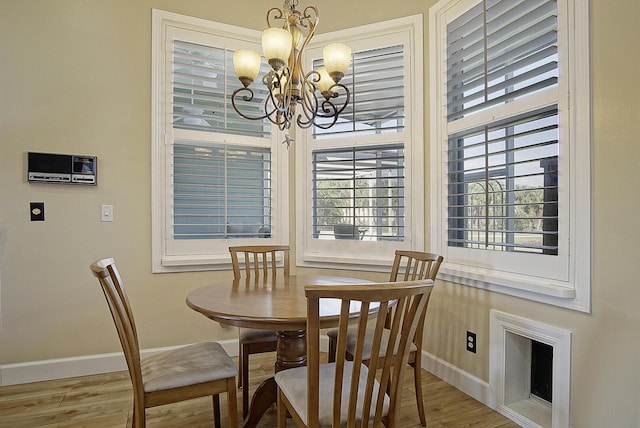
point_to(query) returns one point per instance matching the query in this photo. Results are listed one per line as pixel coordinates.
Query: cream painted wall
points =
(75, 78)
(605, 375)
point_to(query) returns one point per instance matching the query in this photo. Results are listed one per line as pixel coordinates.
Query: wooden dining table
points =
(275, 303)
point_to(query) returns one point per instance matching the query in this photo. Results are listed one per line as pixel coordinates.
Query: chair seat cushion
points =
(293, 383)
(254, 335)
(192, 364)
(366, 353)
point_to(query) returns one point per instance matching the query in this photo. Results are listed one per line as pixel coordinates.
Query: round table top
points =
(271, 303)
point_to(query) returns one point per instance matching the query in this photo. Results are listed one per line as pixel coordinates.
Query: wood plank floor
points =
(106, 401)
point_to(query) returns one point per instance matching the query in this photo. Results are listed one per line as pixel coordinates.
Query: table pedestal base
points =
(291, 352)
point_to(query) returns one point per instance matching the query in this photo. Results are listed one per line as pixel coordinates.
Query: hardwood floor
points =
(106, 401)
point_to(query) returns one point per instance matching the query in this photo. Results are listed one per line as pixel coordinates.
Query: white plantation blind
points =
(503, 185)
(498, 52)
(366, 173)
(360, 187)
(216, 177)
(511, 156)
(221, 191)
(203, 81)
(376, 81)
(503, 174)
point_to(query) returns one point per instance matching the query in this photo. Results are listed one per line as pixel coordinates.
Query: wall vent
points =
(511, 341)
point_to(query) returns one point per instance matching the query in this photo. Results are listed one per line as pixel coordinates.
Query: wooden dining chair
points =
(170, 376)
(258, 260)
(407, 266)
(349, 392)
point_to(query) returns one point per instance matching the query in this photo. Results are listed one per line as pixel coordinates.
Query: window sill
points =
(345, 263)
(532, 288)
(192, 263)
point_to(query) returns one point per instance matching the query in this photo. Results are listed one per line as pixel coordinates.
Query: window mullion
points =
(487, 207)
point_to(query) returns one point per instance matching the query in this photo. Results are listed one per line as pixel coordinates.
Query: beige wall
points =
(75, 78)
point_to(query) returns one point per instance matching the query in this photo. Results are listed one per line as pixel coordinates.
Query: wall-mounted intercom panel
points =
(59, 168)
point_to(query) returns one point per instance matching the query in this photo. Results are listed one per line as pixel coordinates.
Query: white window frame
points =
(194, 255)
(363, 254)
(568, 283)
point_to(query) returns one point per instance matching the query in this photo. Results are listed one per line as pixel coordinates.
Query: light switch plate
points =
(106, 213)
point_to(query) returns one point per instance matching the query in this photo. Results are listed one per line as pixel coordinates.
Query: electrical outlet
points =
(37, 211)
(471, 342)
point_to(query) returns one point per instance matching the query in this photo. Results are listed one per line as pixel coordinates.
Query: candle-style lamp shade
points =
(337, 57)
(276, 46)
(325, 82)
(246, 63)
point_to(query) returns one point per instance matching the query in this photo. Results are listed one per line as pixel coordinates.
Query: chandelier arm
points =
(276, 14)
(308, 102)
(276, 118)
(311, 31)
(288, 101)
(335, 94)
(276, 115)
(304, 124)
(311, 15)
(327, 107)
(281, 115)
(278, 80)
(245, 98)
(331, 110)
(280, 110)
(305, 121)
(309, 106)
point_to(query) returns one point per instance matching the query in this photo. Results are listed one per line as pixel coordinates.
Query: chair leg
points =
(139, 417)
(417, 380)
(216, 411)
(332, 351)
(240, 358)
(282, 411)
(232, 403)
(244, 370)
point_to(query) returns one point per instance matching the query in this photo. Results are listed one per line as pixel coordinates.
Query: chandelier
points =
(316, 97)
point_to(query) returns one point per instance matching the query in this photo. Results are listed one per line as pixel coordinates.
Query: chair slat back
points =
(260, 260)
(109, 277)
(412, 266)
(415, 265)
(375, 300)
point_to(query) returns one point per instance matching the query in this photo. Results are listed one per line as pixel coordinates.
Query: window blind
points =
(358, 193)
(376, 82)
(503, 185)
(500, 51)
(221, 191)
(203, 81)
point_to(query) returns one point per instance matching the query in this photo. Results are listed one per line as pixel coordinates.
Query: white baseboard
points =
(59, 368)
(465, 382)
